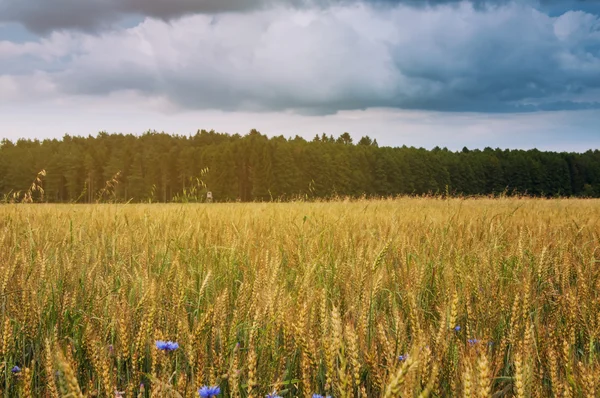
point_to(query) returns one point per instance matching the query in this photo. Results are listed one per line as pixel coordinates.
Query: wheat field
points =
(366, 298)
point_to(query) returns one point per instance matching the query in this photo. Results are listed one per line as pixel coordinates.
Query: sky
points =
(425, 73)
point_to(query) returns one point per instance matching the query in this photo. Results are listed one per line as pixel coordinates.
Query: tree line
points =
(163, 167)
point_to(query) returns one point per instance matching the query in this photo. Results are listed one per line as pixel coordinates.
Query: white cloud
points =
(25, 89)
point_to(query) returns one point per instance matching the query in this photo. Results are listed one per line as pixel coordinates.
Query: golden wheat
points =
(364, 298)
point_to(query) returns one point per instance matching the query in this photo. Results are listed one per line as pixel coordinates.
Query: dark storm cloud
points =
(44, 16)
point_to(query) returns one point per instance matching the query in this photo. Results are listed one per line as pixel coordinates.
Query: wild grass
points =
(380, 298)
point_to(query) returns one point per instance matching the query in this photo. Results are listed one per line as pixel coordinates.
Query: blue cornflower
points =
(321, 396)
(403, 358)
(172, 346)
(167, 345)
(473, 341)
(208, 392)
(274, 395)
(457, 328)
(161, 345)
(16, 369)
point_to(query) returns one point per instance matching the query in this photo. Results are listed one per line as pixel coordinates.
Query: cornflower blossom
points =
(208, 392)
(167, 345)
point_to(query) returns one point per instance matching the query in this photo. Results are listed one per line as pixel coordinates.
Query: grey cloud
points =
(44, 16)
(452, 59)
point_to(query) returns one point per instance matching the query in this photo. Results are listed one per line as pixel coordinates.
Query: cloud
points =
(453, 57)
(131, 113)
(43, 16)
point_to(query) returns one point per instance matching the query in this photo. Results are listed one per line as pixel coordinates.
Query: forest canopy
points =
(163, 167)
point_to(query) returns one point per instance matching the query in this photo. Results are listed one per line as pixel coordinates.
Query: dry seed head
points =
(252, 362)
(485, 377)
(27, 379)
(352, 340)
(394, 386)
(49, 370)
(467, 379)
(67, 378)
(519, 378)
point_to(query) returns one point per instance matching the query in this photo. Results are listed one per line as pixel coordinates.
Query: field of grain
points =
(390, 298)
